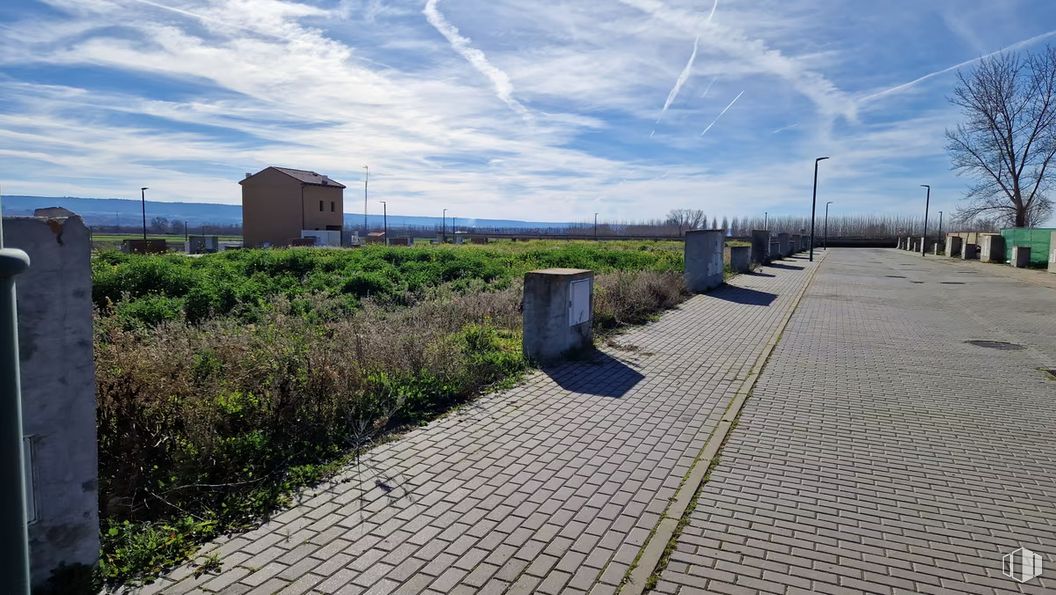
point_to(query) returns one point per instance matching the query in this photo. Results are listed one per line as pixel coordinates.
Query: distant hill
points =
(126, 212)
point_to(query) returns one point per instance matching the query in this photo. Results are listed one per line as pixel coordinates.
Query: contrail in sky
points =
(682, 78)
(913, 82)
(686, 70)
(499, 80)
(708, 88)
(724, 110)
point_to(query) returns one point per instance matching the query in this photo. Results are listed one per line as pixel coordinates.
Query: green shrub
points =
(150, 310)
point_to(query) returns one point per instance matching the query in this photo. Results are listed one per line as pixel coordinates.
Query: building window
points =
(331, 206)
(320, 206)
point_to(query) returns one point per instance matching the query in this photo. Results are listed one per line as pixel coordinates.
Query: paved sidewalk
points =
(550, 487)
(881, 453)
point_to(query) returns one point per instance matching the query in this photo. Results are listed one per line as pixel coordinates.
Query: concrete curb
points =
(653, 549)
(1026, 275)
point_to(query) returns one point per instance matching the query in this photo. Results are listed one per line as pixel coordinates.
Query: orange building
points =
(279, 203)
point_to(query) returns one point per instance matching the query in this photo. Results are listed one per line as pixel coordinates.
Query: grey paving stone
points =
(589, 449)
(881, 452)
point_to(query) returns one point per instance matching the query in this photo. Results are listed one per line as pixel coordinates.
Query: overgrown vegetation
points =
(242, 283)
(227, 381)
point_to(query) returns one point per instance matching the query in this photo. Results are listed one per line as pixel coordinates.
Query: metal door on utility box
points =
(579, 302)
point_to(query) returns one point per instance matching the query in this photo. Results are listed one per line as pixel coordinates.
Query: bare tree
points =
(1009, 138)
(159, 225)
(686, 219)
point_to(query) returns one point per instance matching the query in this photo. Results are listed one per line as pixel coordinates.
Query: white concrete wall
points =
(58, 389)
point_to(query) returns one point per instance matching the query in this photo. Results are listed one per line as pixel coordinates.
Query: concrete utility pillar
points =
(775, 249)
(760, 246)
(703, 253)
(58, 391)
(1021, 256)
(740, 259)
(804, 242)
(970, 252)
(1052, 253)
(795, 240)
(558, 312)
(784, 247)
(938, 248)
(953, 246)
(992, 249)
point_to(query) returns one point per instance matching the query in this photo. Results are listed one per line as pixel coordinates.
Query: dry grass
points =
(204, 427)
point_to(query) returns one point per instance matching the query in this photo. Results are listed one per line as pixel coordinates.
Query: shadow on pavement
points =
(741, 295)
(595, 373)
(785, 266)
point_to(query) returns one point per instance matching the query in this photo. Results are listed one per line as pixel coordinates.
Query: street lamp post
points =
(927, 203)
(443, 228)
(940, 226)
(826, 232)
(813, 205)
(366, 178)
(143, 202)
(385, 220)
(766, 220)
(595, 227)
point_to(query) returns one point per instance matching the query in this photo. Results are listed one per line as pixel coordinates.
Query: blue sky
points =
(531, 110)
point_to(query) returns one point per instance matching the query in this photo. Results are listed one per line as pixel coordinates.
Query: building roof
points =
(304, 176)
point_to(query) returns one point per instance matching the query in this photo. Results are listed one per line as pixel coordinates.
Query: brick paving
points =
(879, 452)
(553, 486)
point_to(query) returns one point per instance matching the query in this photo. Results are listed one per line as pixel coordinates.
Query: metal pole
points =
(595, 227)
(443, 228)
(366, 177)
(813, 205)
(924, 240)
(940, 227)
(143, 201)
(827, 224)
(766, 220)
(14, 564)
(385, 220)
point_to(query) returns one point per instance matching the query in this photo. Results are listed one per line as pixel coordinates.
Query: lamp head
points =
(925, 186)
(820, 159)
(144, 188)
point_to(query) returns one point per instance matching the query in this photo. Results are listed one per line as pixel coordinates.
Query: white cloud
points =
(474, 56)
(215, 88)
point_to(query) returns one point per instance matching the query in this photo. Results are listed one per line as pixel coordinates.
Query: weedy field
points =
(229, 380)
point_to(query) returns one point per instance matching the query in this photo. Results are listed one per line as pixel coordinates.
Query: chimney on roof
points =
(248, 175)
